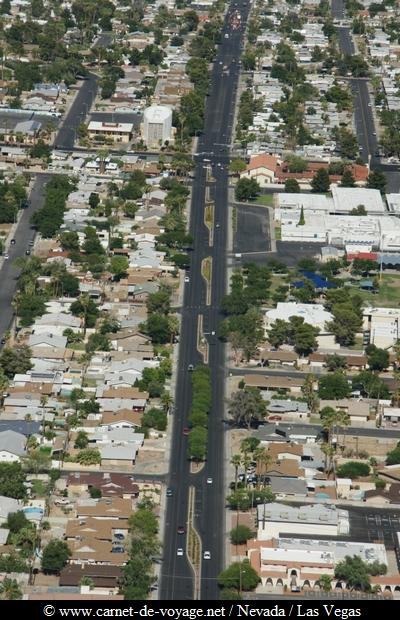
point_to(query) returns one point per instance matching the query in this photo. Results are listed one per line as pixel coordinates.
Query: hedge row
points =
(198, 419)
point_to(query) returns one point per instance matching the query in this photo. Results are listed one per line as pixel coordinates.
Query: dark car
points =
(169, 492)
(181, 529)
(12, 241)
(186, 430)
(27, 252)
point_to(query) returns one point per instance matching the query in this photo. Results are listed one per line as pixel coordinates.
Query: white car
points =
(180, 552)
(209, 480)
(6, 256)
(207, 555)
(187, 279)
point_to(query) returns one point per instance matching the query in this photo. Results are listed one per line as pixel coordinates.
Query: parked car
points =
(169, 492)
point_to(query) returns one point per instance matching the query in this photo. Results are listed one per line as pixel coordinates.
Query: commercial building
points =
(381, 325)
(157, 125)
(119, 132)
(300, 562)
(313, 314)
(317, 519)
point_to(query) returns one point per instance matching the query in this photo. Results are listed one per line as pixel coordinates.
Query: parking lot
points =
(252, 230)
(375, 525)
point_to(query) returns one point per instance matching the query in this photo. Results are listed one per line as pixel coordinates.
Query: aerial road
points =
(23, 235)
(177, 575)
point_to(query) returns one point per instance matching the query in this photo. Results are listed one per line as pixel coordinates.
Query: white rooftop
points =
(314, 314)
(110, 127)
(347, 198)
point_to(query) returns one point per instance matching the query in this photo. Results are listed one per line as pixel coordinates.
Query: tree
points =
(158, 327)
(354, 572)
(236, 461)
(247, 189)
(10, 590)
(377, 180)
(89, 456)
(364, 266)
(119, 266)
(346, 323)
(12, 480)
(38, 461)
(302, 220)
(145, 521)
(292, 186)
(370, 385)
(237, 165)
(378, 359)
(358, 211)
(320, 182)
(241, 534)
(246, 407)
(55, 556)
(353, 469)
(94, 200)
(69, 241)
(335, 362)
(16, 521)
(16, 360)
(81, 440)
(155, 418)
(393, 457)
(325, 582)
(197, 447)
(239, 575)
(333, 387)
(348, 179)
(308, 391)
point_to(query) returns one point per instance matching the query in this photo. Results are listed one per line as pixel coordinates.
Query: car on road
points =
(3, 341)
(179, 552)
(31, 242)
(186, 431)
(190, 368)
(27, 252)
(207, 555)
(217, 225)
(187, 279)
(6, 256)
(12, 241)
(209, 480)
(169, 492)
(181, 529)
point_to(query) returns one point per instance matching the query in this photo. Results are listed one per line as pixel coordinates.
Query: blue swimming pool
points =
(33, 510)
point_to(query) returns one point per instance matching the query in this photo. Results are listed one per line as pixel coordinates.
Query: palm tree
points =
(343, 422)
(325, 582)
(236, 461)
(328, 451)
(10, 590)
(43, 403)
(167, 401)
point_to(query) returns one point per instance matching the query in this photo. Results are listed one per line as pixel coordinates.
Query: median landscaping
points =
(198, 419)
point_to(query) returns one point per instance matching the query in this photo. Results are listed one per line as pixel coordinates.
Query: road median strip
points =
(206, 272)
(202, 344)
(209, 221)
(193, 548)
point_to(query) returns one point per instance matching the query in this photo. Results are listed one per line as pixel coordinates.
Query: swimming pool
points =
(33, 510)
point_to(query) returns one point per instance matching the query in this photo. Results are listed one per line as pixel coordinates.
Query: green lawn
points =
(388, 294)
(265, 199)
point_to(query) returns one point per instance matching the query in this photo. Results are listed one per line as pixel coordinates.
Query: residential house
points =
(12, 446)
(358, 410)
(104, 508)
(103, 577)
(110, 484)
(262, 168)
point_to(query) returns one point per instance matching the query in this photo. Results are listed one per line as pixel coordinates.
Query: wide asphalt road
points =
(77, 113)
(177, 576)
(9, 272)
